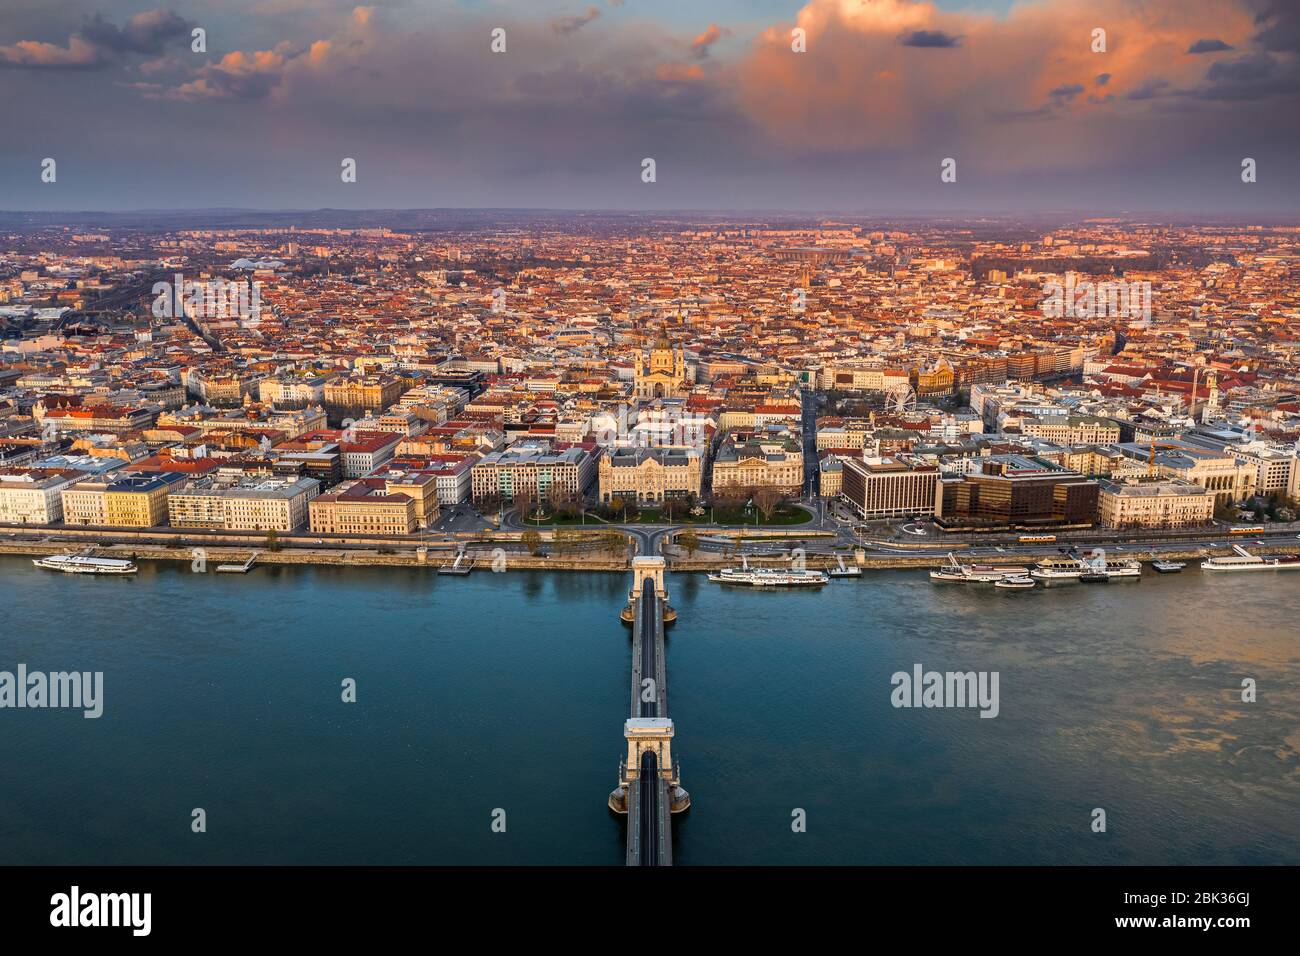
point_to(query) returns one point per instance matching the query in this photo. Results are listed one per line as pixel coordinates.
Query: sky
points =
(860, 121)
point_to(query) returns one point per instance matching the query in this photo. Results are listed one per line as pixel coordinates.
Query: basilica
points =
(661, 374)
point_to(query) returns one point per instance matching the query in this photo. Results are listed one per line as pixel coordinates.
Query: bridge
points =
(649, 787)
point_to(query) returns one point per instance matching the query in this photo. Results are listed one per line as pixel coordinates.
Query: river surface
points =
(508, 692)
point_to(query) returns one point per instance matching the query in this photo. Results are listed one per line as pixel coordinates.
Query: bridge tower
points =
(653, 568)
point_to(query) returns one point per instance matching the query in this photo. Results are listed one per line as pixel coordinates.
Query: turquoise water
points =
(509, 691)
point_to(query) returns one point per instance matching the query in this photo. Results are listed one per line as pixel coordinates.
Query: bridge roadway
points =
(649, 833)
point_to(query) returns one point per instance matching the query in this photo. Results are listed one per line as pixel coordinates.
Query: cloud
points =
(930, 39)
(711, 35)
(563, 26)
(1208, 46)
(77, 55)
(1066, 91)
(144, 33)
(98, 42)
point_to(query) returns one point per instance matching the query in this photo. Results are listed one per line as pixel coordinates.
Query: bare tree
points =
(766, 500)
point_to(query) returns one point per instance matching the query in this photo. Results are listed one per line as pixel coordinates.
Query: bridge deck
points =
(649, 830)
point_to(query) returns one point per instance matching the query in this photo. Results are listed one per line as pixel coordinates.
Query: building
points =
(360, 395)
(1073, 430)
(661, 373)
(421, 487)
(363, 507)
(1012, 491)
(258, 504)
(761, 458)
(139, 501)
(889, 487)
(120, 501)
(33, 496)
(96, 418)
(535, 471)
(650, 475)
(1154, 504)
(1274, 466)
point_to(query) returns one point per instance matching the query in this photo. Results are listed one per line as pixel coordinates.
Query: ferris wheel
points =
(901, 401)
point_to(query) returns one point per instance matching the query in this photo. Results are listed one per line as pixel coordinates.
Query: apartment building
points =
(242, 504)
(34, 496)
(534, 470)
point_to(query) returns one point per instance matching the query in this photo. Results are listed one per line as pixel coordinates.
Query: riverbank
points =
(486, 557)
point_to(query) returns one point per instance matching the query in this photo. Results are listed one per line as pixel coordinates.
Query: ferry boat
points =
(84, 564)
(1022, 582)
(1168, 567)
(1074, 569)
(1243, 560)
(770, 578)
(954, 570)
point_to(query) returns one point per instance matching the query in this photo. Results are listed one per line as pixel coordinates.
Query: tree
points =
(766, 500)
(524, 505)
(272, 540)
(690, 541)
(614, 542)
(532, 541)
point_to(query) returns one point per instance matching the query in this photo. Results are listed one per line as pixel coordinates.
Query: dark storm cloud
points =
(1149, 89)
(1066, 92)
(1280, 20)
(99, 43)
(1258, 76)
(1208, 46)
(930, 39)
(565, 118)
(145, 33)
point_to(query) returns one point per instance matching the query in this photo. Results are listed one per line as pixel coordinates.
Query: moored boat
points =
(84, 564)
(1243, 560)
(1075, 569)
(770, 578)
(1167, 567)
(1018, 583)
(954, 570)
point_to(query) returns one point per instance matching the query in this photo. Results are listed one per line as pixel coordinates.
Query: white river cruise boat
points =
(770, 578)
(1073, 569)
(1243, 560)
(84, 564)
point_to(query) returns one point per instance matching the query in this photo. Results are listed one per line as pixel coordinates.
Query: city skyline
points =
(734, 118)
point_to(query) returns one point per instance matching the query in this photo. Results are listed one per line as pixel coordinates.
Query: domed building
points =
(662, 373)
